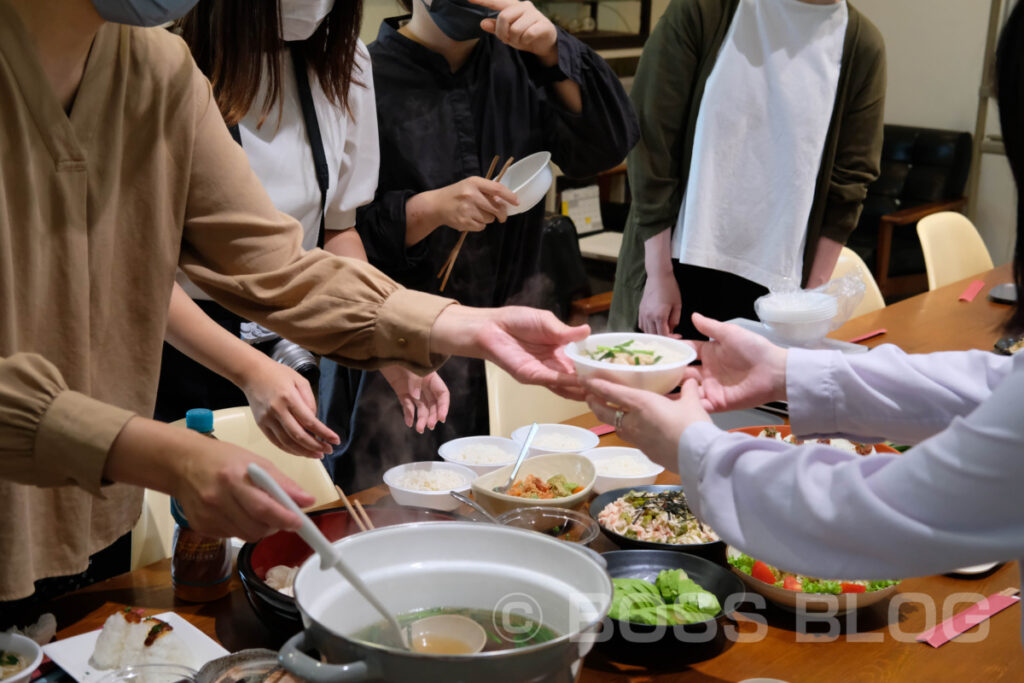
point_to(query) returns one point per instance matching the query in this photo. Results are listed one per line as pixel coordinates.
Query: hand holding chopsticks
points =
(446, 269)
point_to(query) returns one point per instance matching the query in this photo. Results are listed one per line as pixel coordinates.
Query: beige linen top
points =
(97, 209)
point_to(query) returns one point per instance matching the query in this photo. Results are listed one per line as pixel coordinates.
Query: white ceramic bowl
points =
(451, 451)
(660, 378)
(27, 649)
(437, 500)
(530, 179)
(575, 467)
(799, 318)
(557, 438)
(607, 482)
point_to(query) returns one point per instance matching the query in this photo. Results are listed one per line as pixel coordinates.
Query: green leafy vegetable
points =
(673, 599)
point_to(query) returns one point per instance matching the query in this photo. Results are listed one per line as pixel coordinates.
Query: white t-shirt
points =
(759, 138)
(282, 159)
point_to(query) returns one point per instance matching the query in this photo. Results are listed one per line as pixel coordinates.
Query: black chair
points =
(923, 171)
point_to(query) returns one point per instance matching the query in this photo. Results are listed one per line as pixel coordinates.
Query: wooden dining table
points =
(875, 644)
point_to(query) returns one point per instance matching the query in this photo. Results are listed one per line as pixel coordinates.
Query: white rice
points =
(483, 454)
(122, 643)
(557, 442)
(623, 465)
(430, 480)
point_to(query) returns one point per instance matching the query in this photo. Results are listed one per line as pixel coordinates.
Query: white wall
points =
(935, 52)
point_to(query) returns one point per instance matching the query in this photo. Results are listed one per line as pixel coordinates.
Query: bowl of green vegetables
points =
(641, 361)
(668, 605)
(798, 593)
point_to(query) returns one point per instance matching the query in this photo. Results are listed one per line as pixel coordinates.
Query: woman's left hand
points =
(652, 422)
(522, 26)
(424, 399)
(285, 409)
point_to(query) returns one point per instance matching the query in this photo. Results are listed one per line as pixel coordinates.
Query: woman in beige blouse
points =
(118, 168)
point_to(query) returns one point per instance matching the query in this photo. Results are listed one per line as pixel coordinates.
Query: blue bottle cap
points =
(199, 419)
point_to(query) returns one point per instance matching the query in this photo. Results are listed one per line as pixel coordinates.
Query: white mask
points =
(301, 18)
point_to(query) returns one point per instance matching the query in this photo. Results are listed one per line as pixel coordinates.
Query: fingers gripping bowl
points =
(641, 361)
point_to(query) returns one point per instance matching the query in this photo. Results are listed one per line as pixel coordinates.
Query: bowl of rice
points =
(482, 454)
(655, 517)
(619, 467)
(557, 438)
(429, 484)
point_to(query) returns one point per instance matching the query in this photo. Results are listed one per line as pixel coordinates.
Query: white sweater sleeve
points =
(951, 501)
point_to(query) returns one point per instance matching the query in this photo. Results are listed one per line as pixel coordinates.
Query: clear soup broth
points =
(504, 631)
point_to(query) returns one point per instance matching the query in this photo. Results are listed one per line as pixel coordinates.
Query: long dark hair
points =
(233, 41)
(1010, 91)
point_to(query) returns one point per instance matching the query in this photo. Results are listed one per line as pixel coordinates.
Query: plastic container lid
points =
(796, 307)
(199, 419)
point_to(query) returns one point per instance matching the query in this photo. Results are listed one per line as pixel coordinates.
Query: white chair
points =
(511, 404)
(850, 263)
(152, 535)
(953, 249)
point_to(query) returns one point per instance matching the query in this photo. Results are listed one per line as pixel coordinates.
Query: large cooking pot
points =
(449, 564)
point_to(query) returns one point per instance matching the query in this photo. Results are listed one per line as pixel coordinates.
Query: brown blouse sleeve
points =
(245, 254)
(49, 435)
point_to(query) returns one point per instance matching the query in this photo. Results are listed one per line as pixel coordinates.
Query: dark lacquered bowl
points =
(672, 646)
(276, 610)
(714, 550)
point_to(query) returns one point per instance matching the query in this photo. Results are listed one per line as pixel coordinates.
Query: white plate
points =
(826, 343)
(72, 654)
(975, 569)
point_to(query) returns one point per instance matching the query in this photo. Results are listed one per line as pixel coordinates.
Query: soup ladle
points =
(475, 505)
(450, 626)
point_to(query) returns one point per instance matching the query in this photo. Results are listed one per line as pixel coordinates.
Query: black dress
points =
(437, 128)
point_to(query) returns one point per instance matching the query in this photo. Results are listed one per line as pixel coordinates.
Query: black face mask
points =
(459, 19)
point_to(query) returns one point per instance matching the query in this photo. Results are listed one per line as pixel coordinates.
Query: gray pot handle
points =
(305, 667)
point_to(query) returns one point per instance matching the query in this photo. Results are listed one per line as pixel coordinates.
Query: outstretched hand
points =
(652, 422)
(739, 369)
(525, 342)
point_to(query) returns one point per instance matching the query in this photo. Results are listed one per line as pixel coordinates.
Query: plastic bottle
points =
(200, 565)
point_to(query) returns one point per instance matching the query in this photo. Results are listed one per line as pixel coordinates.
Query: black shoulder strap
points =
(235, 133)
(316, 143)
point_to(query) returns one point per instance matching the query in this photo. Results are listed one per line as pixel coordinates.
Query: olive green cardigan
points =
(676, 63)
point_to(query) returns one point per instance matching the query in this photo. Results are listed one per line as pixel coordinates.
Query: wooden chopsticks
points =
(446, 269)
(363, 522)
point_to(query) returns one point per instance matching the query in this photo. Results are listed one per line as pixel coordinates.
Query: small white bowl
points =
(660, 378)
(27, 649)
(530, 179)
(436, 500)
(450, 451)
(799, 318)
(575, 467)
(607, 482)
(548, 436)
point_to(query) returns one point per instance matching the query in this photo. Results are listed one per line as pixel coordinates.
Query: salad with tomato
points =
(802, 584)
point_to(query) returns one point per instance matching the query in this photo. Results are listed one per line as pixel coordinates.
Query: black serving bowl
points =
(276, 610)
(714, 550)
(672, 646)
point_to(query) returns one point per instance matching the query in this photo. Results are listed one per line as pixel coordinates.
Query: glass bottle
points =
(200, 564)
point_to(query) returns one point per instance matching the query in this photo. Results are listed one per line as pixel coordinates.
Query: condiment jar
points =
(200, 565)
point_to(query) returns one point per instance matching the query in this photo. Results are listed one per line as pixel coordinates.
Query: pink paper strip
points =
(602, 429)
(967, 619)
(868, 335)
(972, 290)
